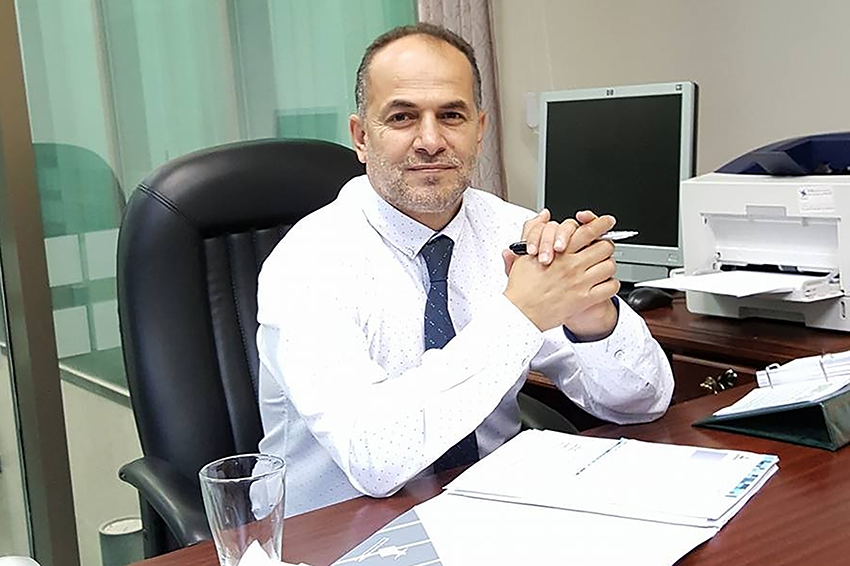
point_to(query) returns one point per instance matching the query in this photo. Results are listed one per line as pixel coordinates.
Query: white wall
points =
(767, 69)
(13, 513)
(101, 438)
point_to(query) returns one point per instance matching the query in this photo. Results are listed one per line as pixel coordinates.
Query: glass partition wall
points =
(114, 89)
(14, 518)
(36, 507)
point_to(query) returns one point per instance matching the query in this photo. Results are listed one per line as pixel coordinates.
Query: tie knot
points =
(438, 255)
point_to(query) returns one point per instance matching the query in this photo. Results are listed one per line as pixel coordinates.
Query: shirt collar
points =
(400, 230)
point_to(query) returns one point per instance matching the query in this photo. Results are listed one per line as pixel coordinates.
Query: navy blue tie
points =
(438, 331)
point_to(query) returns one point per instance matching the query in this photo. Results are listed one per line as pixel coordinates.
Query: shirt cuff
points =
(576, 340)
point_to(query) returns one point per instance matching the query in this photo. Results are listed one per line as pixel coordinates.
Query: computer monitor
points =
(622, 151)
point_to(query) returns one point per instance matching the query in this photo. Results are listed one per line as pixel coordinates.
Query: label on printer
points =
(816, 199)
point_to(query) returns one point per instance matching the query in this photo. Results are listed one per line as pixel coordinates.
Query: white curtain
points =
(471, 20)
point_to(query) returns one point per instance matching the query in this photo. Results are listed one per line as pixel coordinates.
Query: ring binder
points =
(806, 401)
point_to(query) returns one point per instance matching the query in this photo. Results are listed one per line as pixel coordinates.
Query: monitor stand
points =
(636, 272)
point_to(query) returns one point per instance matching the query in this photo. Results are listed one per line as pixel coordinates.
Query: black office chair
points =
(194, 237)
(190, 248)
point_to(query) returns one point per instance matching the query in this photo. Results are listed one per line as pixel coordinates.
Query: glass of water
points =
(244, 500)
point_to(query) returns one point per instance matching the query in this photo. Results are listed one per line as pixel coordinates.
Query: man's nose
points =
(430, 138)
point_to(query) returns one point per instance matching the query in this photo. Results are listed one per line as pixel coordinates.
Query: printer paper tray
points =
(781, 286)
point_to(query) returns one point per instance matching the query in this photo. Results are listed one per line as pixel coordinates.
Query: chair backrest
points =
(192, 242)
(79, 192)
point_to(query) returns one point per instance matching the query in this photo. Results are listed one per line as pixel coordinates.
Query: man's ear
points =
(358, 136)
(482, 123)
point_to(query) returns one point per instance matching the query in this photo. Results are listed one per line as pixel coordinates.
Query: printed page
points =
(733, 283)
(827, 367)
(531, 458)
(782, 396)
(466, 531)
(627, 478)
(680, 484)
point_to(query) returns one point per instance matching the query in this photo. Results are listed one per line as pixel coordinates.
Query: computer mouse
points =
(646, 298)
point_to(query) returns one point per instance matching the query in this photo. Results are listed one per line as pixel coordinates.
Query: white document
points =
(734, 283)
(256, 556)
(626, 478)
(466, 531)
(827, 367)
(782, 396)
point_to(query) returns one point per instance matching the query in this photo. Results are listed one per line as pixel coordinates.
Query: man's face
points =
(422, 130)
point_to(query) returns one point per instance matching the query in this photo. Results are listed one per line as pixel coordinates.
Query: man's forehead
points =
(417, 44)
(414, 61)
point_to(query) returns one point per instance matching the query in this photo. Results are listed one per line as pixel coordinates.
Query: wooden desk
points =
(802, 515)
(699, 346)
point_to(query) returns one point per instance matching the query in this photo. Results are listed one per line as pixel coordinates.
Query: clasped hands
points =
(567, 278)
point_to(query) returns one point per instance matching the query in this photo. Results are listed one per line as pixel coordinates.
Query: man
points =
(395, 328)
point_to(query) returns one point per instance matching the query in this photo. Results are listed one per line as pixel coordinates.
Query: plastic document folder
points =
(403, 542)
(806, 401)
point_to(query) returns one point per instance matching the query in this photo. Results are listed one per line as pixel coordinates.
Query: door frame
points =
(32, 343)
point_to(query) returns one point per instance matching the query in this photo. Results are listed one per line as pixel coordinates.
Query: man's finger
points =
(508, 257)
(604, 291)
(565, 232)
(595, 253)
(546, 244)
(601, 272)
(585, 216)
(589, 232)
(531, 231)
(541, 218)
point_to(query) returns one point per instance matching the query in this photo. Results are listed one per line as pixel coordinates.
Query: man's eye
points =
(453, 116)
(400, 118)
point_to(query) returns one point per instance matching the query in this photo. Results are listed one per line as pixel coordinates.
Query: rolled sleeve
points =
(624, 378)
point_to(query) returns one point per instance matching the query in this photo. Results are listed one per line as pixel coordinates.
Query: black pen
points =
(519, 248)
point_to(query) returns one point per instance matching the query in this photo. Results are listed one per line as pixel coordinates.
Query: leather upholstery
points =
(194, 237)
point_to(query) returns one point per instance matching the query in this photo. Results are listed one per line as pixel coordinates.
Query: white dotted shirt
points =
(348, 394)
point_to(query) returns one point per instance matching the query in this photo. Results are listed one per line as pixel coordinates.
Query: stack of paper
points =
(804, 380)
(762, 399)
(734, 283)
(682, 485)
(461, 531)
(467, 531)
(552, 498)
(806, 401)
(833, 368)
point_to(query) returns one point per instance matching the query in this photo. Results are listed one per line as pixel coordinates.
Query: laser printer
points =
(767, 228)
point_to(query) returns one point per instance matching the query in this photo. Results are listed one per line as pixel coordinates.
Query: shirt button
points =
(618, 355)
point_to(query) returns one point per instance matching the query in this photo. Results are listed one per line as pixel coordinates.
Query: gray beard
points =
(390, 184)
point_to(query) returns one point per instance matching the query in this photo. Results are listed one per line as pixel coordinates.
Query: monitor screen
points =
(621, 151)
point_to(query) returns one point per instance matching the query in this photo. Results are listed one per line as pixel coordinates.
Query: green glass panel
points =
(116, 88)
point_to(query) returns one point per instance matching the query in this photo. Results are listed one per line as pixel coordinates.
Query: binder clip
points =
(724, 381)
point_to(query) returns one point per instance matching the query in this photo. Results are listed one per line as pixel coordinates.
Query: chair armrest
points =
(535, 414)
(172, 495)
